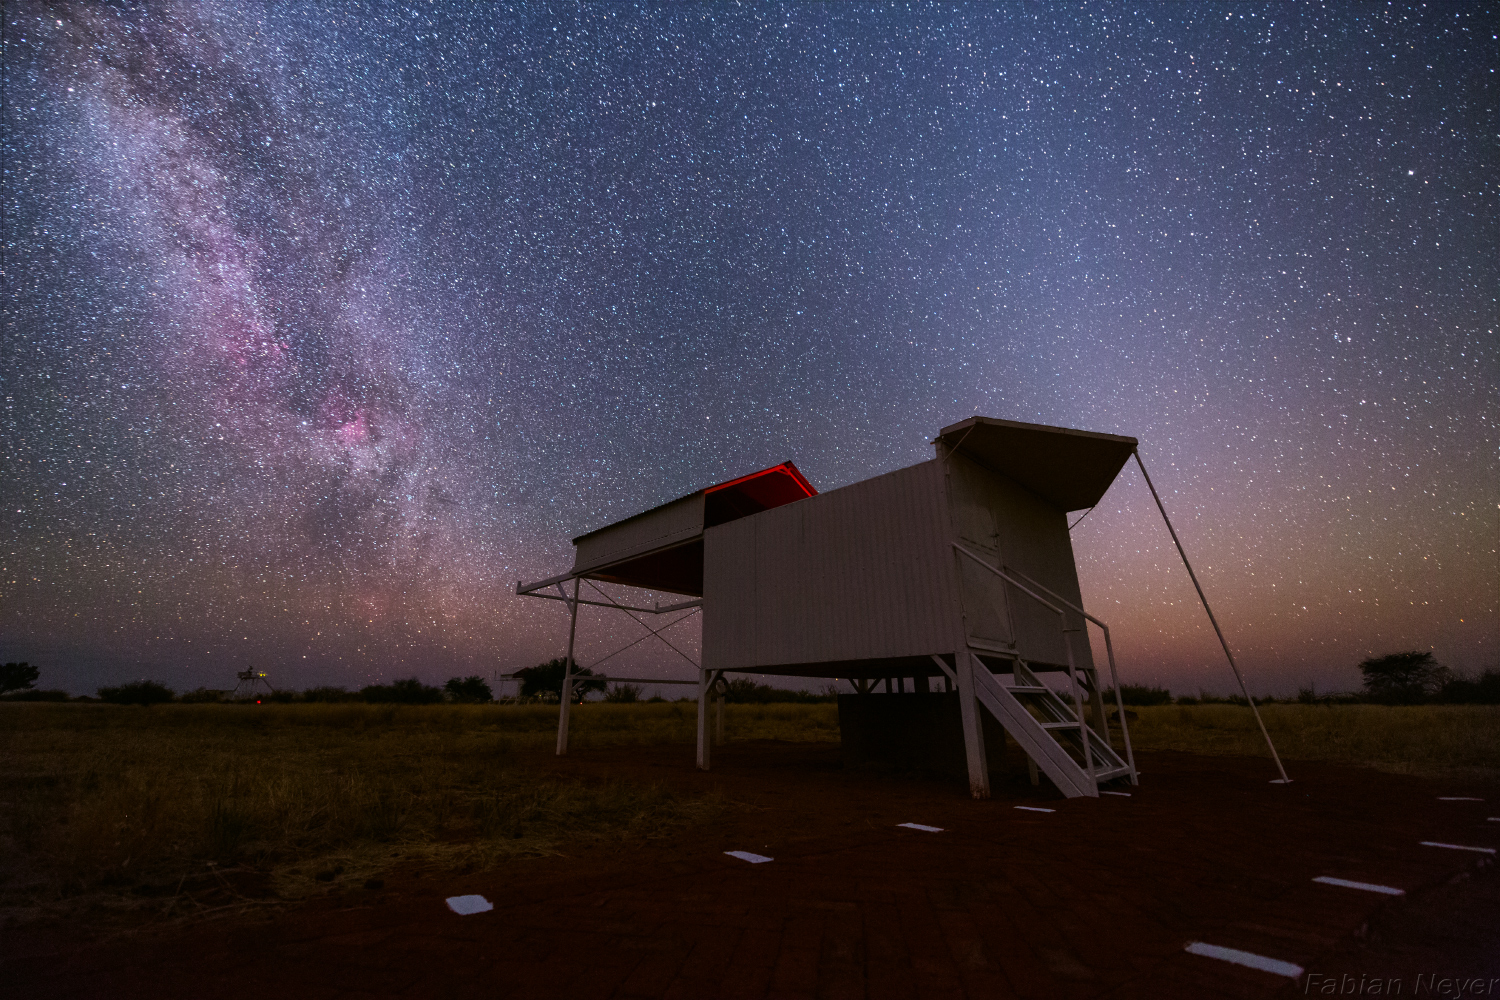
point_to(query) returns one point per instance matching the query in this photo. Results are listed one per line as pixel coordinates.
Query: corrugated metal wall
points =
(975, 507)
(862, 572)
(868, 572)
(1025, 533)
(666, 525)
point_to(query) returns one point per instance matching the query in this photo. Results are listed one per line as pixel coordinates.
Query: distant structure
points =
(249, 682)
(950, 584)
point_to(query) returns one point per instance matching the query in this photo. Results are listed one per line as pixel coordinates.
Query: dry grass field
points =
(177, 811)
(1431, 740)
(181, 808)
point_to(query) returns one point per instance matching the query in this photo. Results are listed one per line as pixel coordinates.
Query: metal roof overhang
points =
(662, 548)
(1070, 469)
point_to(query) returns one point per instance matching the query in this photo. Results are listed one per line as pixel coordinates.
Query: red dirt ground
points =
(1098, 898)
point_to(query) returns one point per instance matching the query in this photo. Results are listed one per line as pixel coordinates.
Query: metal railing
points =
(1114, 676)
(1083, 734)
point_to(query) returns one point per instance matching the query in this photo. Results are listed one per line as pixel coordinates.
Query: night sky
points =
(322, 327)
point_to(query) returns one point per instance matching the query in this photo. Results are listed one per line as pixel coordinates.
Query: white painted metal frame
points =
(706, 680)
(564, 711)
(962, 674)
(567, 685)
(973, 725)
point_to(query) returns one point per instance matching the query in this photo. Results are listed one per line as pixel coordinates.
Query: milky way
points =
(323, 328)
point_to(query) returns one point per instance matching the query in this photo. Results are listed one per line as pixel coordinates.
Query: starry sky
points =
(324, 324)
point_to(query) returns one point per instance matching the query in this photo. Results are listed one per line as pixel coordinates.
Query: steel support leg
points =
(968, 711)
(705, 681)
(567, 686)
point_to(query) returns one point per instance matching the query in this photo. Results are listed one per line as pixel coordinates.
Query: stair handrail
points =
(1109, 650)
(1083, 732)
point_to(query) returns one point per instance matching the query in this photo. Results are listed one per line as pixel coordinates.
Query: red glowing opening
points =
(773, 487)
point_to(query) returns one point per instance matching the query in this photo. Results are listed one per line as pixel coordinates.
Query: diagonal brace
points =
(641, 623)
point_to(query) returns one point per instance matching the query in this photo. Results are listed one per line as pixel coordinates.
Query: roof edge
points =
(975, 421)
(786, 466)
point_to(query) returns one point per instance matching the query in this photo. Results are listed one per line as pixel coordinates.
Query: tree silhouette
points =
(17, 676)
(1403, 678)
(469, 690)
(548, 677)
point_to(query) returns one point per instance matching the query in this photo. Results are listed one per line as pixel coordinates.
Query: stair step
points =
(1113, 772)
(1051, 743)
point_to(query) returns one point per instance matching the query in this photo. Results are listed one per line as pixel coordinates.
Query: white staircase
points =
(1052, 732)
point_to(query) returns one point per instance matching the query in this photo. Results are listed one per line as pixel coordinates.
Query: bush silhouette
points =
(1483, 690)
(138, 693)
(32, 694)
(403, 692)
(624, 694)
(17, 676)
(328, 694)
(469, 690)
(744, 691)
(1140, 694)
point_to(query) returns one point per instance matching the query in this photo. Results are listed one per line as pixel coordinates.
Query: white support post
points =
(1096, 703)
(567, 686)
(1083, 733)
(962, 675)
(705, 681)
(968, 711)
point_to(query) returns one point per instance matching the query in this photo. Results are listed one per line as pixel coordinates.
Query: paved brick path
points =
(1095, 899)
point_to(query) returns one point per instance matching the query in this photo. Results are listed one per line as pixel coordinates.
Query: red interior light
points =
(773, 487)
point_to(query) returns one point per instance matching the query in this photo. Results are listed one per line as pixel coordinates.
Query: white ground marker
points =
(1125, 794)
(1246, 958)
(1458, 798)
(754, 859)
(1036, 809)
(466, 905)
(1459, 847)
(1366, 886)
(922, 826)
(1495, 819)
